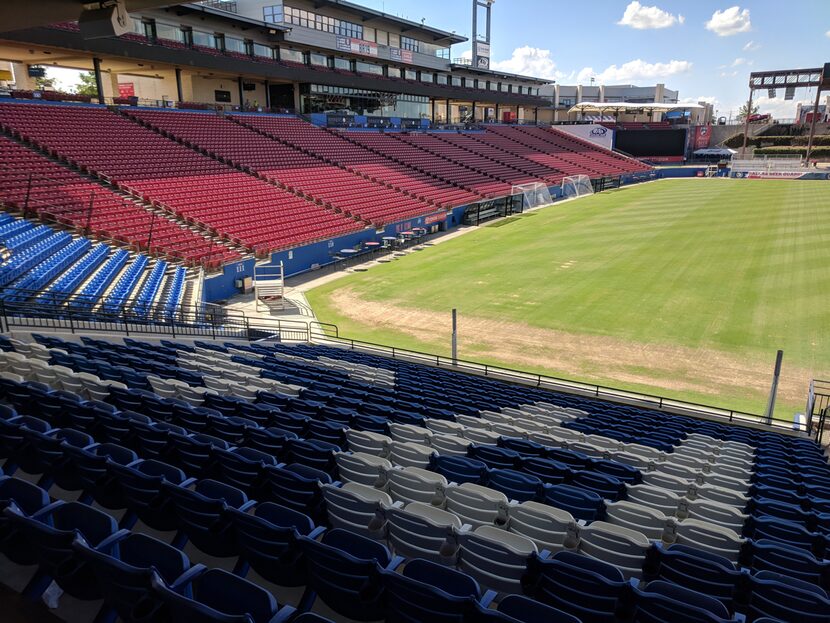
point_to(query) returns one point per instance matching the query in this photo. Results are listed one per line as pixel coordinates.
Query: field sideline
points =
(681, 287)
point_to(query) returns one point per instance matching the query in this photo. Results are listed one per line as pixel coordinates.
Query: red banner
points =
(126, 89)
(702, 135)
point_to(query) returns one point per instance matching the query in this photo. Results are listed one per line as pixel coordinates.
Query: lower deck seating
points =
(293, 471)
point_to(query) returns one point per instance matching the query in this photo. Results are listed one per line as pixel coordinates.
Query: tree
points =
(87, 85)
(743, 111)
(45, 84)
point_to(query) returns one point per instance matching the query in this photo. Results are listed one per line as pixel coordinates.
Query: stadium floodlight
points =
(533, 195)
(576, 186)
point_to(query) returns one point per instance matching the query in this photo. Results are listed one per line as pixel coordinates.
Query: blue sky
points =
(705, 49)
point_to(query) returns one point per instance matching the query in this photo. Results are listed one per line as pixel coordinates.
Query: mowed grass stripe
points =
(734, 266)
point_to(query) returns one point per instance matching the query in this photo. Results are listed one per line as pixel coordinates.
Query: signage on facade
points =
(593, 132)
(357, 46)
(482, 55)
(403, 56)
(126, 89)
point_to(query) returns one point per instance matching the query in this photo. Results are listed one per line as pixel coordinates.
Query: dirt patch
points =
(676, 368)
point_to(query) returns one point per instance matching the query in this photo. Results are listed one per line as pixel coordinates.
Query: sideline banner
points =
(593, 132)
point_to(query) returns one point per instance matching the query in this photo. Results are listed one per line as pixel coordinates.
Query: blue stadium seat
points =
(581, 503)
(123, 566)
(216, 596)
(29, 499)
(781, 597)
(459, 469)
(664, 602)
(344, 572)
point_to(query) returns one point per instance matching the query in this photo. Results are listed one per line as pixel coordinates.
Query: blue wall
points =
(219, 287)
(682, 172)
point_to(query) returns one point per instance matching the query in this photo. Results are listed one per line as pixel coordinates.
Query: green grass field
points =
(684, 288)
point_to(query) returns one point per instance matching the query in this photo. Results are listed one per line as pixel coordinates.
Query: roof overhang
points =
(623, 107)
(245, 22)
(366, 14)
(498, 74)
(18, 15)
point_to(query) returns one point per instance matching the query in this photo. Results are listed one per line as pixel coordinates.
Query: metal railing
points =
(818, 410)
(552, 383)
(76, 314)
(219, 323)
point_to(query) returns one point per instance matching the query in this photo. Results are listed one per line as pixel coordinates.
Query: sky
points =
(704, 49)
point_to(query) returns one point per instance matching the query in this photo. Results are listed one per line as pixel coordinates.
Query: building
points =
(564, 97)
(312, 57)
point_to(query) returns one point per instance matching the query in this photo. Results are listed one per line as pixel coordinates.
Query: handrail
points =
(214, 321)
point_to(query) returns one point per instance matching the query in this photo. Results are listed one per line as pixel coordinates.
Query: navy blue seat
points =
(608, 487)
(123, 566)
(269, 440)
(520, 609)
(202, 517)
(495, 457)
(268, 541)
(85, 467)
(571, 458)
(140, 488)
(243, 468)
(50, 532)
(316, 454)
(580, 503)
(298, 487)
(28, 498)
(194, 453)
(515, 485)
(344, 571)
(792, 561)
(459, 469)
(664, 602)
(547, 470)
(523, 446)
(589, 589)
(216, 596)
(428, 592)
(694, 569)
(786, 532)
(788, 599)
(625, 473)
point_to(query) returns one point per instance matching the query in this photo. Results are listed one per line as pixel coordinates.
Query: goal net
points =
(576, 186)
(533, 195)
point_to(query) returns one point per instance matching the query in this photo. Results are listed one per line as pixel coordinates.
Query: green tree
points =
(87, 85)
(45, 84)
(744, 110)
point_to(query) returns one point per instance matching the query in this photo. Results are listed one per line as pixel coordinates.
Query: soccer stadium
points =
(311, 312)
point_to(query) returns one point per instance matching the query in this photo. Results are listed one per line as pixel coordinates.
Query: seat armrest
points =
(396, 562)
(488, 598)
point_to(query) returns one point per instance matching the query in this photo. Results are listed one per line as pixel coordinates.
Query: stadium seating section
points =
(56, 269)
(389, 490)
(213, 186)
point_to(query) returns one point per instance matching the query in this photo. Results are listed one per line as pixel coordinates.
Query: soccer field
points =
(684, 288)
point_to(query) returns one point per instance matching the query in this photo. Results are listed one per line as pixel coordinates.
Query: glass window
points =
(504, 87)
(137, 25)
(342, 63)
(168, 31)
(369, 68)
(369, 34)
(382, 37)
(204, 39)
(287, 54)
(427, 76)
(457, 81)
(394, 40)
(320, 60)
(232, 44)
(273, 14)
(393, 72)
(441, 78)
(263, 50)
(493, 86)
(408, 43)
(443, 53)
(410, 75)
(219, 41)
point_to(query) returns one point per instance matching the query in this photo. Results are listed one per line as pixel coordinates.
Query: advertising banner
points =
(482, 55)
(593, 132)
(402, 56)
(126, 89)
(357, 46)
(702, 135)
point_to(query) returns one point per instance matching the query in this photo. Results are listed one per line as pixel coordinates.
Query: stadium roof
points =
(407, 26)
(601, 107)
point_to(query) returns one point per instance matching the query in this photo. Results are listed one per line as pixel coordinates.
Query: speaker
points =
(109, 22)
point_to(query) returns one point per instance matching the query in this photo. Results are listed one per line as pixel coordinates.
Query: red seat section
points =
(30, 181)
(197, 189)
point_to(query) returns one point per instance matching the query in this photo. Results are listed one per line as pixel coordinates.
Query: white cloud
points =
(738, 61)
(754, 47)
(729, 22)
(778, 107)
(644, 17)
(709, 99)
(634, 70)
(827, 34)
(529, 61)
(467, 54)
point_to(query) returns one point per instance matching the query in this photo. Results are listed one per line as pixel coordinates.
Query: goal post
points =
(533, 195)
(576, 186)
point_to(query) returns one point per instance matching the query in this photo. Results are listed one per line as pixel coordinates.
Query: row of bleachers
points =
(197, 189)
(344, 191)
(59, 269)
(330, 146)
(32, 182)
(600, 555)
